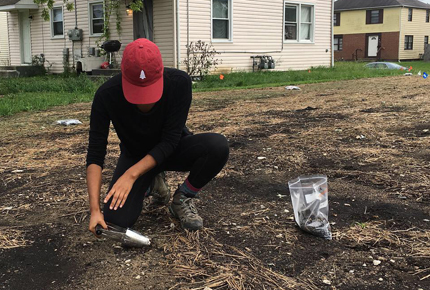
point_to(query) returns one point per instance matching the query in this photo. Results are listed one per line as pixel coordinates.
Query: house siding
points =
(4, 40)
(258, 29)
(419, 28)
(354, 22)
(164, 30)
(13, 28)
(42, 42)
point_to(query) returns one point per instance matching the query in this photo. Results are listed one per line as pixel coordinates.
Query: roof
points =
(366, 4)
(8, 2)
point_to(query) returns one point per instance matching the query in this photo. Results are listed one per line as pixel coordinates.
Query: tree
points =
(49, 4)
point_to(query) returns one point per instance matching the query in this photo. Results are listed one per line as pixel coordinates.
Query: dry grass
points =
(412, 242)
(12, 238)
(199, 260)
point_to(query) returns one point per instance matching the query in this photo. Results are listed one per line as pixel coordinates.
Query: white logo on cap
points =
(142, 75)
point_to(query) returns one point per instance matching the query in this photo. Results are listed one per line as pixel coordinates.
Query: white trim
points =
(90, 18)
(299, 22)
(230, 22)
(52, 22)
(18, 6)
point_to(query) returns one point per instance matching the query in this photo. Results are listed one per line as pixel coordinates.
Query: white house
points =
(296, 33)
(4, 41)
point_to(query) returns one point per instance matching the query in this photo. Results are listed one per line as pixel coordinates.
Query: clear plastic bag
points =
(309, 195)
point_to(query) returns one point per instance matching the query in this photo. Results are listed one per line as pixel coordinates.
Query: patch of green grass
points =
(341, 71)
(40, 93)
(35, 101)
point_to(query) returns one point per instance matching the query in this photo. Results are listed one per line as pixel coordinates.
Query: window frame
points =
(337, 21)
(338, 36)
(410, 14)
(90, 17)
(369, 16)
(406, 43)
(230, 24)
(426, 41)
(59, 36)
(299, 22)
(427, 15)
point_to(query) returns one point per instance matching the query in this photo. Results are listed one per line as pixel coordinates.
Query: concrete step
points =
(9, 73)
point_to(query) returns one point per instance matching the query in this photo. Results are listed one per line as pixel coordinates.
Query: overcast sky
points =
(426, 1)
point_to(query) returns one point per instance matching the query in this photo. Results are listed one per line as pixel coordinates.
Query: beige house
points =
(4, 41)
(297, 34)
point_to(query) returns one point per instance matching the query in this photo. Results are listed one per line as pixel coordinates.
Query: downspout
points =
(332, 34)
(400, 33)
(178, 37)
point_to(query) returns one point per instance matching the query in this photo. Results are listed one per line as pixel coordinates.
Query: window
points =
(57, 29)
(374, 16)
(338, 42)
(96, 18)
(298, 22)
(336, 19)
(426, 41)
(221, 20)
(410, 14)
(427, 15)
(409, 42)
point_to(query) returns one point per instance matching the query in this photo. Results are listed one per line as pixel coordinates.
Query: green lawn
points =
(39, 93)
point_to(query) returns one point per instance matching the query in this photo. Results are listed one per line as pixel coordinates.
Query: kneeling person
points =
(148, 106)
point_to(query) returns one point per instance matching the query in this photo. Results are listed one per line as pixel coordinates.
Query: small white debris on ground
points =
(17, 171)
(376, 262)
(380, 279)
(292, 88)
(261, 158)
(327, 282)
(68, 122)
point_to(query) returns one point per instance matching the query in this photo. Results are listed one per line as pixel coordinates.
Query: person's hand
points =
(97, 218)
(119, 191)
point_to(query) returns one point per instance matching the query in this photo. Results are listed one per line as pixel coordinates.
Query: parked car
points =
(385, 65)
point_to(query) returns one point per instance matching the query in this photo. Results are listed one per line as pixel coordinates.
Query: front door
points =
(142, 22)
(372, 45)
(24, 36)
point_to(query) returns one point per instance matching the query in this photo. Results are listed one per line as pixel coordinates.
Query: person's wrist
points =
(95, 210)
(132, 174)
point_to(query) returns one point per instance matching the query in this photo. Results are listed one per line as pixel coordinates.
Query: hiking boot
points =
(183, 208)
(159, 190)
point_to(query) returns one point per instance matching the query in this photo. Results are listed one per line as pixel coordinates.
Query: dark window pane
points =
(98, 26)
(220, 9)
(58, 28)
(220, 29)
(290, 14)
(98, 11)
(291, 31)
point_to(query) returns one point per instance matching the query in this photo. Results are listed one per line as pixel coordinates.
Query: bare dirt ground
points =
(371, 137)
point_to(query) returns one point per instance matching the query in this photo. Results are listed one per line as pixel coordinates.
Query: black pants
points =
(204, 155)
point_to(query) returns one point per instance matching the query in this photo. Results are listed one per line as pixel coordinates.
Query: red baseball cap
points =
(142, 72)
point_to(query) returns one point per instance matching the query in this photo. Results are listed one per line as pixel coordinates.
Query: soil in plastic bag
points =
(309, 195)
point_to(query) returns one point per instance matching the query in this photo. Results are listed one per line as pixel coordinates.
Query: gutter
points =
(378, 7)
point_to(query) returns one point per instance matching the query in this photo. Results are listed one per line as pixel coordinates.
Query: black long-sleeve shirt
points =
(156, 133)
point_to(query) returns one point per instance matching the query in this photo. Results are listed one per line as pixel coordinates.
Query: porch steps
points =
(9, 73)
(21, 71)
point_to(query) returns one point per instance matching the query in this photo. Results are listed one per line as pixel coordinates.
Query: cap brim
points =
(142, 95)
